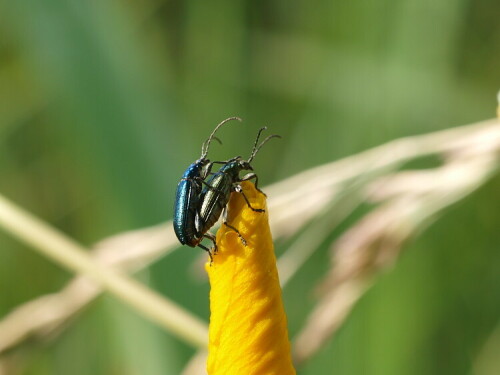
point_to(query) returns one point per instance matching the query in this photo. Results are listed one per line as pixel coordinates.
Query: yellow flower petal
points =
(248, 327)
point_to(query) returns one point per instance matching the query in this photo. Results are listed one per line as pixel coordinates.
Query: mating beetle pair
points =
(200, 199)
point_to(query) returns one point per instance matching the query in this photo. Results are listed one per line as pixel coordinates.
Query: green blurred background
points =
(104, 103)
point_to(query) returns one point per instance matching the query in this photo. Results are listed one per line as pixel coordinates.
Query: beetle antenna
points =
(206, 144)
(255, 143)
(255, 148)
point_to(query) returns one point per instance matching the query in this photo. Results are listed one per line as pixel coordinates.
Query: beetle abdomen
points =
(186, 200)
(213, 200)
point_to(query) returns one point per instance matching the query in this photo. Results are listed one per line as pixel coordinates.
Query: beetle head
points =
(244, 165)
(202, 162)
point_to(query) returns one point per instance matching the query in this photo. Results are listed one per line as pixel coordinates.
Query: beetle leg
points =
(212, 238)
(208, 185)
(243, 241)
(224, 221)
(208, 251)
(251, 176)
(208, 169)
(238, 189)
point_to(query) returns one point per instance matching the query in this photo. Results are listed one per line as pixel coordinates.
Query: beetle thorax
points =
(194, 169)
(235, 166)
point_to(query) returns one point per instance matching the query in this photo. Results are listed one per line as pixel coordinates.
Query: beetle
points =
(187, 196)
(217, 190)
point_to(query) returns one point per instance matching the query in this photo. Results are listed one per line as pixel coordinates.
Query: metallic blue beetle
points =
(187, 196)
(217, 190)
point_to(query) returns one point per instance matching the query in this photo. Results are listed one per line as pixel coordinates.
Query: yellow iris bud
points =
(248, 327)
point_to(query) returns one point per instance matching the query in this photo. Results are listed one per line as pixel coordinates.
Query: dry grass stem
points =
(408, 201)
(69, 254)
